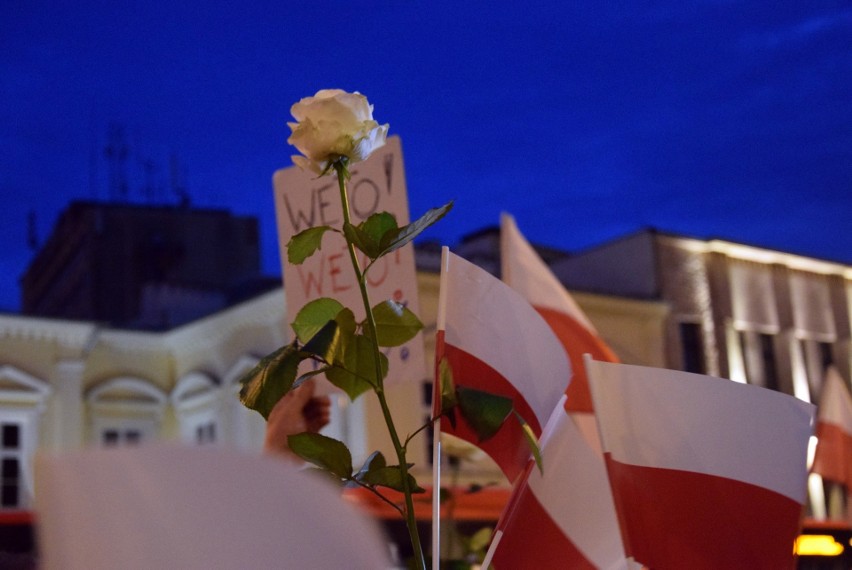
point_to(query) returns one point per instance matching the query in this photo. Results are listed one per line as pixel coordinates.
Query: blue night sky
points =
(586, 121)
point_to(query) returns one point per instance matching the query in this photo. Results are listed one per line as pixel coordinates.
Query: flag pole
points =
(436, 406)
(436, 496)
(486, 562)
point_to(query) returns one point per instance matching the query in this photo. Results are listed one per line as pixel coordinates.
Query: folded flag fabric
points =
(525, 272)
(833, 455)
(164, 506)
(705, 472)
(494, 341)
(565, 517)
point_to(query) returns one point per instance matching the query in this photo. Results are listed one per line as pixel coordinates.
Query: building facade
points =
(135, 266)
(739, 312)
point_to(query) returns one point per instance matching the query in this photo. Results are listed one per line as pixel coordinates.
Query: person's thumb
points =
(304, 392)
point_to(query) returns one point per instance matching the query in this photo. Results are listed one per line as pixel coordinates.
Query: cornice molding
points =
(76, 335)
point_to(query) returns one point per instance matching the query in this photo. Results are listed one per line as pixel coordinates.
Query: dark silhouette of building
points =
(141, 266)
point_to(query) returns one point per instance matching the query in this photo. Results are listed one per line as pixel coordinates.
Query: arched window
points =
(125, 411)
(197, 401)
(242, 427)
(22, 401)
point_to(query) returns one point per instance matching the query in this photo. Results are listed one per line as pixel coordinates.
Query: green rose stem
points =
(341, 167)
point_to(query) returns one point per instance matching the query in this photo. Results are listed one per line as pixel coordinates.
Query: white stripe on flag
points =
(487, 319)
(833, 455)
(526, 272)
(705, 473)
(575, 492)
(652, 417)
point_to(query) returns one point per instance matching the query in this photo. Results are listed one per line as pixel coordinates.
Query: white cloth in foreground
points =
(193, 508)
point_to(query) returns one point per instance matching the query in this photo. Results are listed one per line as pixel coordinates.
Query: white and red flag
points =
(573, 470)
(494, 341)
(705, 472)
(525, 272)
(833, 456)
(563, 517)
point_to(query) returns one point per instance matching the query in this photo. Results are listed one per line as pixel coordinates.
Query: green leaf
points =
(328, 344)
(395, 323)
(270, 380)
(359, 239)
(331, 341)
(378, 225)
(367, 236)
(532, 441)
(375, 461)
(308, 375)
(480, 539)
(305, 243)
(391, 477)
(447, 390)
(314, 316)
(355, 373)
(394, 240)
(346, 319)
(484, 412)
(322, 451)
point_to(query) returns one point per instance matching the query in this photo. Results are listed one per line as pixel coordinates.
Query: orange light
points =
(818, 545)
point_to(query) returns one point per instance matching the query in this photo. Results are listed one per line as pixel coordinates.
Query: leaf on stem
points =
(314, 316)
(375, 461)
(395, 239)
(346, 320)
(331, 343)
(532, 441)
(484, 412)
(355, 372)
(391, 476)
(305, 243)
(308, 375)
(378, 225)
(270, 380)
(367, 236)
(447, 391)
(328, 344)
(322, 451)
(480, 540)
(357, 238)
(396, 324)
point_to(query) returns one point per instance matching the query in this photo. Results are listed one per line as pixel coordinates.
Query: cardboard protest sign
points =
(302, 201)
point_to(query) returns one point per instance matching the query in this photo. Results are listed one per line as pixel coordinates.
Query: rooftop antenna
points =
(178, 183)
(116, 154)
(93, 157)
(149, 170)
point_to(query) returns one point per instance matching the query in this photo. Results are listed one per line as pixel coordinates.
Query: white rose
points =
(333, 124)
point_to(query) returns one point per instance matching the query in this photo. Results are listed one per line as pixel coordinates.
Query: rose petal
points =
(333, 124)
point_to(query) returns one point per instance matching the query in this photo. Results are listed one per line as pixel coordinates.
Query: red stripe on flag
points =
(681, 519)
(532, 541)
(833, 456)
(508, 448)
(577, 341)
